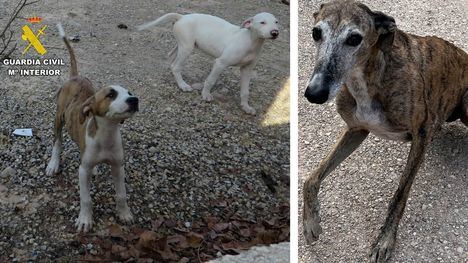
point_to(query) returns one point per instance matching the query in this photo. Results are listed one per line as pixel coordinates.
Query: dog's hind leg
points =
(172, 54)
(464, 115)
(185, 46)
(347, 144)
(54, 163)
(383, 246)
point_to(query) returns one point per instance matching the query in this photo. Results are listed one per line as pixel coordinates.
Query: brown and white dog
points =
(396, 85)
(93, 120)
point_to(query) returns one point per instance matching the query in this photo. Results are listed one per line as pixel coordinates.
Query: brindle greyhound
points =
(396, 85)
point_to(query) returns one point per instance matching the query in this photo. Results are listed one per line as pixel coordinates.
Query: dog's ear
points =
(86, 109)
(386, 27)
(315, 14)
(247, 23)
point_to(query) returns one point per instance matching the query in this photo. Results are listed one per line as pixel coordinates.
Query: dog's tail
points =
(74, 68)
(163, 19)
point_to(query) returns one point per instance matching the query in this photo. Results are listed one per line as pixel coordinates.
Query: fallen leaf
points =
(157, 223)
(147, 239)
(179, 240)
(115, 230)
(210, 221)
(245, 232)
(221, 227)
(116, 249)
(194, 240)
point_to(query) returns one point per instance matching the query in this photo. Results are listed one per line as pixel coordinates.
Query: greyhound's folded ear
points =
(247, 23)
(315, 14)
(386, 27)
(86, 109)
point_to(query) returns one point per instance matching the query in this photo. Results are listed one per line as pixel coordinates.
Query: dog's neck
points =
(256, 40)
(102, 127)
(363, 80)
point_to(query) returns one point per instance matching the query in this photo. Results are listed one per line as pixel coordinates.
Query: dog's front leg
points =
(217, 69)
(85, 219)
(349, 141)
(246, 75)
(118, 175)
(383, 246)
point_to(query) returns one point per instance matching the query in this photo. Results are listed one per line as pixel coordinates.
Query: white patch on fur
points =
(119, 107)
(54, 163)
(372, 119)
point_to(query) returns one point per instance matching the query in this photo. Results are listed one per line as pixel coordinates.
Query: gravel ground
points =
(355, 196)
(277, 253)
(184, 158)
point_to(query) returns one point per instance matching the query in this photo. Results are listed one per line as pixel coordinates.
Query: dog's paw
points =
(197, 86)
(206, 96)
(125, 216)
(186, 88)
(311, 226)
(53, 167)
(249, 110)
(383, 247)
(84, 222)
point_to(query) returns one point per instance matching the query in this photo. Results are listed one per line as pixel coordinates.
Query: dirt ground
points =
(186, 160)
(355, 196)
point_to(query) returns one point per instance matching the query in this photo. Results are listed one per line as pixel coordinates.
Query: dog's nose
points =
(274, 33)
(132, 103)
(316, 95)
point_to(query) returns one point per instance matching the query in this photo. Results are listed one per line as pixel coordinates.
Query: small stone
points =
(152, 149)
(8, 172)
(122, 26)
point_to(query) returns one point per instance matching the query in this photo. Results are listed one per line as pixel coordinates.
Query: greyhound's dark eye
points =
(317, 33)
(263, 23)
(354, 40)
(276, 22)
(112, 94)
(129, 93)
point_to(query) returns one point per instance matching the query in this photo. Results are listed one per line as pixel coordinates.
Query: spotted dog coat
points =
(396, 85)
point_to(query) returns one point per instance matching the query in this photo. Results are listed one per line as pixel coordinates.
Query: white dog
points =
(93, 122)
(231, 45)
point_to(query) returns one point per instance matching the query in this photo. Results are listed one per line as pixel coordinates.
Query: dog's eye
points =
(317, 33)
(129, 93)
(276, 22)
(112, 94)
(354, 40)
(263, 23)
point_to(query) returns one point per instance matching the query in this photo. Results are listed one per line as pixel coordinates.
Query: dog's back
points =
(73, 94)
(433, 69)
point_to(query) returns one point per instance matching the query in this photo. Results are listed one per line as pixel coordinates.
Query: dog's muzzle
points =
(316, 95)
(132, 104)
(318, 90)
(274, 34)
